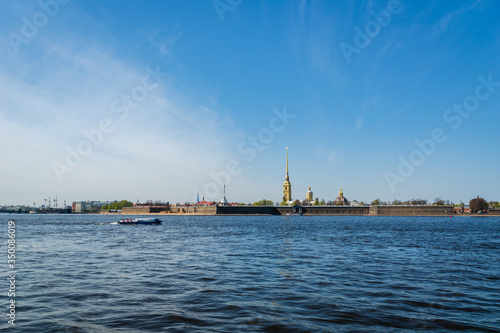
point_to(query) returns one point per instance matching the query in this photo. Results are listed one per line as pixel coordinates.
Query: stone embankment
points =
(284, 210)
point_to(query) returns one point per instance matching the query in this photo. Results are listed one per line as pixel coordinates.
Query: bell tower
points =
(287, 187)
(309, 195)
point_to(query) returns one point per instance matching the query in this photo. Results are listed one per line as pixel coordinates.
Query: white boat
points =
(140, 221)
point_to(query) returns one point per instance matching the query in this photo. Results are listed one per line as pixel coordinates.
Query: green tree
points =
(418, 202)
(376, 202)
(478, 205)
(284, 203)
(438, 202)
(316, 202)
(296, 202)
(263, 202)
(494, 204)
(117, 205)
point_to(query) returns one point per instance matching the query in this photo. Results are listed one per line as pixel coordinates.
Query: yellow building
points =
(287, 187)
(309, 195)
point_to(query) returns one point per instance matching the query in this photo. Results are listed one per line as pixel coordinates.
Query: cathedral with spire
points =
(287, 192)
(287, 187)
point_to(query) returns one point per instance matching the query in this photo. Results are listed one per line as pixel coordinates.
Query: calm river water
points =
(84, 273)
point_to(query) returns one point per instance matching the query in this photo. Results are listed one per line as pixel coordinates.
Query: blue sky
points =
(178, 97)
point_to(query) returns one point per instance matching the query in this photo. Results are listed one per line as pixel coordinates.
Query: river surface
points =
(85, 273)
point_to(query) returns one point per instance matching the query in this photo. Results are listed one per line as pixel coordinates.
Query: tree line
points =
(118, 205)
(476, 205)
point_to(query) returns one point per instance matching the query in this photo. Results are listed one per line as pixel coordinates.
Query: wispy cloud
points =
(450, 20)
(329, 155)
(164, 44)
(313, 30)
(359, 123)
(332, 157)
(168, 140)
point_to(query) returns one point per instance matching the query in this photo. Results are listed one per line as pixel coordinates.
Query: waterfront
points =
(83, 273)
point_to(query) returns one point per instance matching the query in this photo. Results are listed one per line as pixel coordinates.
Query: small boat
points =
(140, 221)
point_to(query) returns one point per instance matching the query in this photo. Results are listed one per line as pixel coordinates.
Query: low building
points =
(88, 206)
(203, 202)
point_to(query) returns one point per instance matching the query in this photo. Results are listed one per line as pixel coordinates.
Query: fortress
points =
(309, 201)
(340, 207)
(304, 210)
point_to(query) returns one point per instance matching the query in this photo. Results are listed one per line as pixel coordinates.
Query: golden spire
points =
(341, 194)
(287, 178)
(287, 187)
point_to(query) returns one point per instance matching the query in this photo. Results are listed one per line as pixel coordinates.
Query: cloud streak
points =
(167, 140)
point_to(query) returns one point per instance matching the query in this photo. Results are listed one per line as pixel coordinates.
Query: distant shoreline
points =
(250, 210)
(306, 215)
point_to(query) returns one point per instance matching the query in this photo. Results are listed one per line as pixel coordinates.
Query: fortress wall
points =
(411, 210)
(283, 210)
(248, 210)
(136, 210)
(158, 209)
(336, 210)
(202, 210)
(306, 210)
(208, 210)
(143, 210)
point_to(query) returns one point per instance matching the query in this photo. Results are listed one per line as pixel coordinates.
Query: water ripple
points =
(258, 274)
